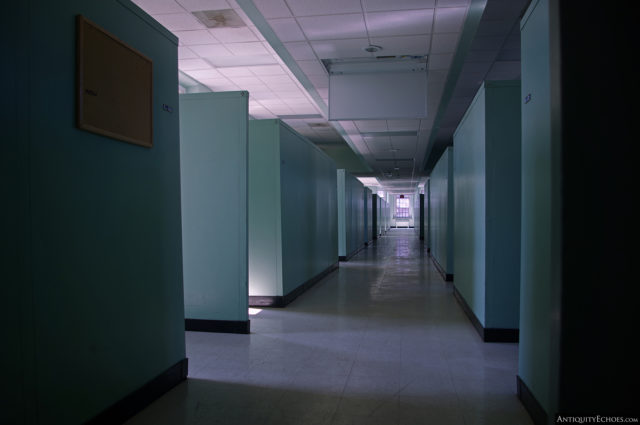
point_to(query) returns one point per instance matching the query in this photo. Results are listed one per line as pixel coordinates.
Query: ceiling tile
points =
(191, 64)
(287, 29)
(195, 5)
(273, 8)
(439, 75)
(312, 67)
(403, 125)
(189, 38)
(236, 71)
(439, 61)
(185, 53)
(179, 21)
(319, 81)
(324, 7)
(386, 5)
(371, 125)
(210, 50)
(246, 82)
(233, 35)
(246, 49)
(444, 43)
(449, 19)
(205, 74)
(275, 79)
(333, 27)
(453, 3)
(300, 50)
(267, 70)
(407, 22)
(153, 7)
(405, 45)
(334, 49)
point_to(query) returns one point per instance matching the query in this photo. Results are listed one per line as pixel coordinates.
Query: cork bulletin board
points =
(114, 84)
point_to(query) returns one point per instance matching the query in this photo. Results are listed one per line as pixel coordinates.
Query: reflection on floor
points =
(380, 341)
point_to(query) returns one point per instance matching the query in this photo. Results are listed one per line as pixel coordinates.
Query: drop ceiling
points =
(276, 53)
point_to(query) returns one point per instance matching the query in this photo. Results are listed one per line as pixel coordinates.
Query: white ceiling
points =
(295, 85)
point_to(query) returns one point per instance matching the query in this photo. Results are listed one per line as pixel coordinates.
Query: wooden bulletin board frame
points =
(114, 86)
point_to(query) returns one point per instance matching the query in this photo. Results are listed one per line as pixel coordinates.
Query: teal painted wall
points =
(368, 215)
(95, 284)
(442, 208)
(293, 209)
(342, 212)
(487, 199)
(309, 209)
(535, 359)
(427, 213)
(351, 213)
(503, 151)
(469, 153)
(213, 157)
(265, 226)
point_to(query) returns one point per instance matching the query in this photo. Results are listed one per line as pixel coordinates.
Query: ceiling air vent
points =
(225, 18)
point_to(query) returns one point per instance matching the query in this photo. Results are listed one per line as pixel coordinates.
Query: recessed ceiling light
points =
(372, 48)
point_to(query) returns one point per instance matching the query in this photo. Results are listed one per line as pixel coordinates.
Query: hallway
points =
(380, 341)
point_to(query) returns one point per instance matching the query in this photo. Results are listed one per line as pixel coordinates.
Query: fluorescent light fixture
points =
(369, 181)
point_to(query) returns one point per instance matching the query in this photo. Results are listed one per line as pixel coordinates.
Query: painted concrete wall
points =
(213, 157)
(308, 188)
(293, 222)
(265, 225)
(535, 359)
(94, 282)
(350, 213)
(487, 198)
(442, 208)
(368, 215)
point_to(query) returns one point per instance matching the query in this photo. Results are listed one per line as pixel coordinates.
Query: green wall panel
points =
(97, 289)
(487, 198)
(442, 208)
(469, 153)
(213, 149)
(309, 209)
(535, 356)
(293, 222)
(265, 226)
(351, 213)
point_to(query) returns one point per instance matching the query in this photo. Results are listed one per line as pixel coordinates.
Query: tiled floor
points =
(380, 341)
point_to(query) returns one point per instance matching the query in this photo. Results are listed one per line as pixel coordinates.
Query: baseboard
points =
(220, 326)
(368, 242)
(283, 301)
(348, 257)
(142, 397)
(487, 334)
(448, 277)
(531, 404)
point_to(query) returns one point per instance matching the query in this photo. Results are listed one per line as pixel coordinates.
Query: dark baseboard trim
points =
(487, 334)
(220, 326)
(266, 301)
(348, 257)
(142, 397)
(282, 301)
(530, 403)
(368, 242)
(448, 277)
